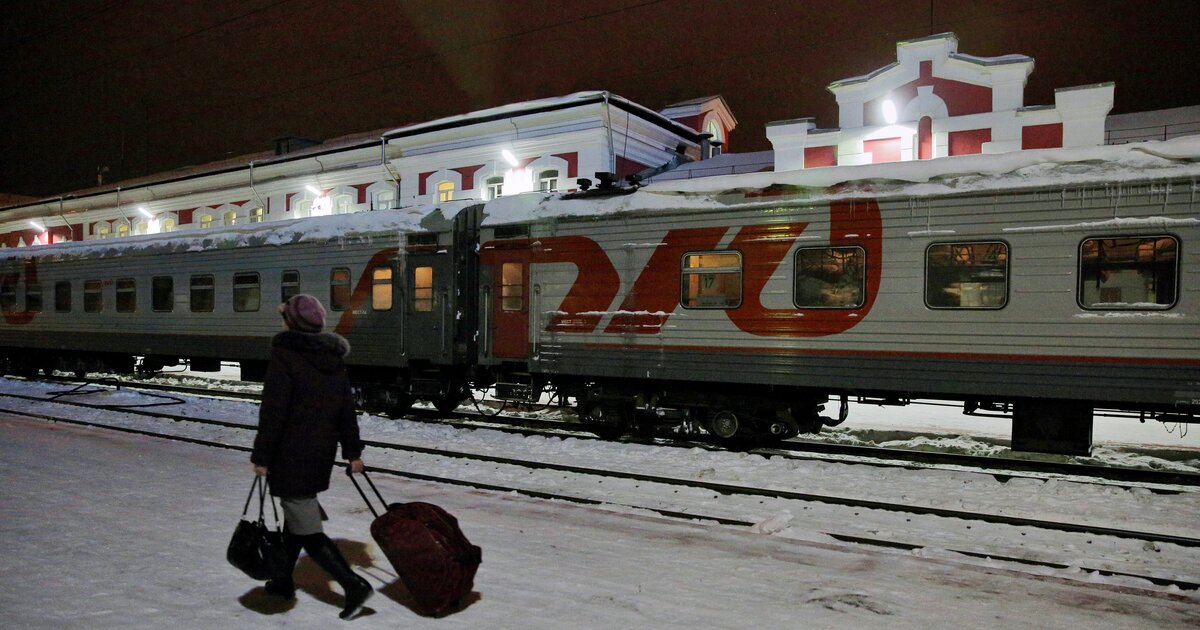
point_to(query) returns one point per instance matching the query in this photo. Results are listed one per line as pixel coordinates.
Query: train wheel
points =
(724, 424)
(446, 404)
(606, 422)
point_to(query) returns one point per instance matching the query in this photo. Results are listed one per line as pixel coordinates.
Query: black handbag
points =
(255, 548)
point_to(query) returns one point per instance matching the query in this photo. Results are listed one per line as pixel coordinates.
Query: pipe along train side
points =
(752, 307)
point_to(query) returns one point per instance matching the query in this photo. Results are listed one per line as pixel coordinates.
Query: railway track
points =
(1003, 469)
(645, 491)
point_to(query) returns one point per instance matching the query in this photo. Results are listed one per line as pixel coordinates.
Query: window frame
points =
(194, 288)
(377, 282)
(862, 287)
(285, 285)
(336, 303)
(155, 294)
(240, 285)
(419, 298)
(59, 307)
(925, 278)
(93, 288)
(510, 292)
(685, 274)
(126, 295)
(1132, 307)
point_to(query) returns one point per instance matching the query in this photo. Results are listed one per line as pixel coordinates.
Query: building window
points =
(966, 275)
(62, 296)
(247, 293)
(122, 230)
(548, 181)
(93, 296)
(445, 192)
(831, 277)
(230, 217)
(1139, 273)
(203, 294)
(712, 280)
(383, 200)
(493, 188)
(206, 220)
(162, 294)
(342, 205)
(381, 289)
(257, 215)
(126, 295)
(339, 288)
(289, 285)
(167, 225)
(423, 289)
(33, 297)
(512, 287)
(141, 227)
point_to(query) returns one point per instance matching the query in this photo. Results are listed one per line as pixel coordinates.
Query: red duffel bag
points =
(431, 555)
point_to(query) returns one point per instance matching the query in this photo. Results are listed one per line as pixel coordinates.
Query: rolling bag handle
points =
(364, 494)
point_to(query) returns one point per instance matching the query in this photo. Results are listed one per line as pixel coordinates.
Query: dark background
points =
(150, 85)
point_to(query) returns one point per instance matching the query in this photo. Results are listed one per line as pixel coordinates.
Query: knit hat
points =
(303, 313)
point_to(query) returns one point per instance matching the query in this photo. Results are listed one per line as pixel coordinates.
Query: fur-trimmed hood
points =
(324, 350)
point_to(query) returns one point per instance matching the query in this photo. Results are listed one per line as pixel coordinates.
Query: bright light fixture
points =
(509, 157)
(889, 112)
(37, 226)
(314, 190)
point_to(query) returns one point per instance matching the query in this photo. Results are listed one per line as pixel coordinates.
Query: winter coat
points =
(306, 410)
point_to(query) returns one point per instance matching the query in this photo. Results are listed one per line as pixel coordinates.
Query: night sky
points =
(151, 85)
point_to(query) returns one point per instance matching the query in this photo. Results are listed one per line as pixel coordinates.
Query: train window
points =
(162, 294)
(423, 289)
(289, 285)
(126, 295)
(381, 289)
(830, 277)
(33, 297)
(339, 288)
(712, 280)
(202, 294)
(1139, 273)
(93, 296)
(8, 294)
(512, 287)
(62, 296)
(966, 275)
(247, 292)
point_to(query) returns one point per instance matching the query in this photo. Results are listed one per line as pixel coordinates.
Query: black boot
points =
(322, 550)
(281, 585)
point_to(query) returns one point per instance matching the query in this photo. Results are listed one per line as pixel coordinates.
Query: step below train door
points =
(506, 292)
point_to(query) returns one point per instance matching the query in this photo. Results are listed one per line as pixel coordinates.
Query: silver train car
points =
(751, 307)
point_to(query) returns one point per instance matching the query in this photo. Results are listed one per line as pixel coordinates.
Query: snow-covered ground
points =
(105, 530)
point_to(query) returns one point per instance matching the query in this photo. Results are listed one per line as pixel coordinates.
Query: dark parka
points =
(306, 411)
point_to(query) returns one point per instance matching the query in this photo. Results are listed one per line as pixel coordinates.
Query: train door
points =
(428, 304)
(510, 308)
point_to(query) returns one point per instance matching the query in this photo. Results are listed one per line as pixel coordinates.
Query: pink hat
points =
(303, 313)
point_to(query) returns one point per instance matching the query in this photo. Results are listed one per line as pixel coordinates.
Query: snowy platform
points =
(105, 530)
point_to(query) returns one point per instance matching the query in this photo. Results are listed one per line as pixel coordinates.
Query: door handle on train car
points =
(536, 334)
(485, 329)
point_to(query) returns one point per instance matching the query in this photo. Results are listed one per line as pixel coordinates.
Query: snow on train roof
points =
(1134, 163)
(413, 219)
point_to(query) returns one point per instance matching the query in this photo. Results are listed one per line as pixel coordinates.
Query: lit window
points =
(289, 285)
(381, 289)
(231, 217)
(257, 215)
(103, 232)
(1129, 273)
(712, 280)
(203, 294)
(167, 225)
(162, 294)
(126, 295)
(93, 296)
(830, 277)
(445, 191)
(512, 287)
(206, 220)
(339, 288)
(140, 228)
(123, 230)
(966, 275)
(548, 181)
(33, 297)
(62, 296)
(247, 295)
(341, 205)
(493, 187)
(384, 199)
(423, 289)
(303, 208)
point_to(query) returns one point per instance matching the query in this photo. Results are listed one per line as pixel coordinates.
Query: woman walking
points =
(307, 410)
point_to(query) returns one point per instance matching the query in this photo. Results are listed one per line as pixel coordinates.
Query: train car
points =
(1040, 285)
(396, 284)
